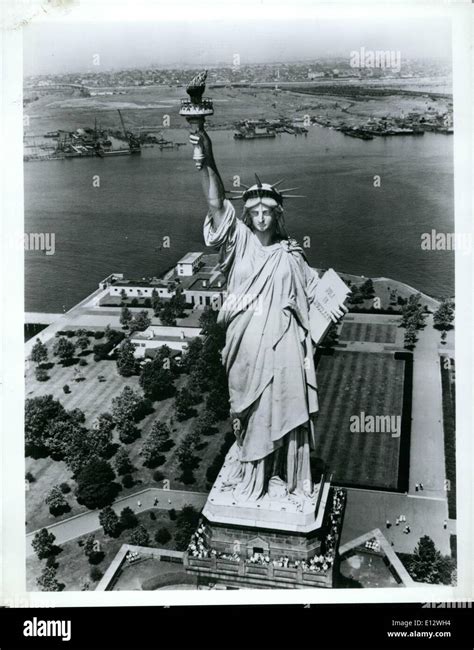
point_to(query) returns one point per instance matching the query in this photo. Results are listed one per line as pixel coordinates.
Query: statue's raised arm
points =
(195, 110)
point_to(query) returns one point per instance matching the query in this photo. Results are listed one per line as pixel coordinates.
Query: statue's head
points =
(263, 215)
(263, 207)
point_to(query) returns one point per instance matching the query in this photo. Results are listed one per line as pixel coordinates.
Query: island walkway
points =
(88, 522)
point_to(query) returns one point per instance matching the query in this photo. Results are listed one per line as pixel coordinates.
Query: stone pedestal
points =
(291, 527)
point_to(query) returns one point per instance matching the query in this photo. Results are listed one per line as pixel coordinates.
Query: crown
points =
(265, 190)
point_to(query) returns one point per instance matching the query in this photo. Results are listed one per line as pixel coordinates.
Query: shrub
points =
(96, 574)
(127, 481)
(162, 536)
(99, 335)
(29, 477)
(82, 362)
(66, 389)
(158, 476)
(128, 518)
(172, 514)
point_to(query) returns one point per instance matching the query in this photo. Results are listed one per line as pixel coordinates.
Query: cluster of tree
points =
(168, 311)
(52, 430)
(426, 564)
(157, 377)
(127, 409)
(156, 443)
(139, 321)
(444, 315)
(413, 319)
(203, 362)
(127, 364)
(114, 525)
(113, 338)
(93, 550)
(47, 580)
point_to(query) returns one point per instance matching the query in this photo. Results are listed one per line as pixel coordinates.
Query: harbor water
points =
(111, 215)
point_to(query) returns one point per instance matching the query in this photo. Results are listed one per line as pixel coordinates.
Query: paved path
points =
(368, 509)
(427, 436)
(88, 522)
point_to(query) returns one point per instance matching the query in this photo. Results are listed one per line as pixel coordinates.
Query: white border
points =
(12, 509)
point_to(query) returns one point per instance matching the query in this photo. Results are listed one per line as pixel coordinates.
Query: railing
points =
(244, 569)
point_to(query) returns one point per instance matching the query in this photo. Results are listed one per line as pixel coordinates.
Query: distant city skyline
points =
(55, 48)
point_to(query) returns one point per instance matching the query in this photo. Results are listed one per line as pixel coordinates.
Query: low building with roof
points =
(156, 336)
(196, 274)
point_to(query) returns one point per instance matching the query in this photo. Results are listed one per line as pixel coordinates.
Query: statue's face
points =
(262, 218)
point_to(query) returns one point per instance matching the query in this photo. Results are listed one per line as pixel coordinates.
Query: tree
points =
(157, 376)
(193, 353)
(96, 488)
(355, 297)
(92, 550)
(121, 462)
(56, 501)
(413, 312)
(126, 362)
(410, 337)
(428, 565)
(128, 518)
(100, 438)
(444, 315)
(64, 349)
(167, 315)
(39, 413)
(140, 321)
(367, 289)
(186, 523)
(178, 303)
(140, 537)
(41, 374)
(162, 535)
(82, 340)
(203, 425)
(126, 406)
(39, 352)
(109, 521)
(128, 432)
(68, 439)
(95, 574)
(156, 442)
(125, 317)
(47, 580)
(183, 404)
(43, 544)
(217, 404)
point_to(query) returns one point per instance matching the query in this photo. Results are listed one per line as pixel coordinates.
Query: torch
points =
(195, 110)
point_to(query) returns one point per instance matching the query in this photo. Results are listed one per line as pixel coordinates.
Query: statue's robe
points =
(268, 356)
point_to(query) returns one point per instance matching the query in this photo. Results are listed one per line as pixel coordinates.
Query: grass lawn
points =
(370, 332)
(349, 383)
(74, 567)
(94, 397)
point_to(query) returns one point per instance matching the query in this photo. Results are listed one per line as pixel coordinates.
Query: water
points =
(353, 226)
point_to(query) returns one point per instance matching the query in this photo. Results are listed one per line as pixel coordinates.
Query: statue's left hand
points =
(338, 312)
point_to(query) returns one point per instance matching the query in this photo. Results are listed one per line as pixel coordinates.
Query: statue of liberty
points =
(269, 350)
